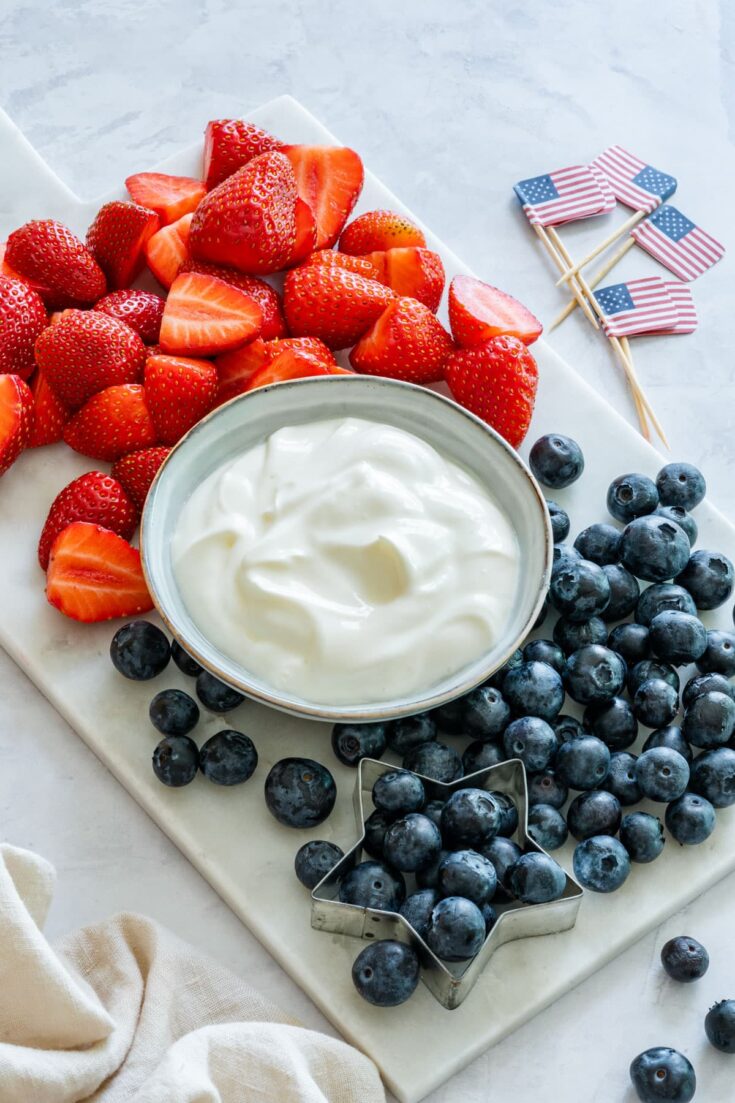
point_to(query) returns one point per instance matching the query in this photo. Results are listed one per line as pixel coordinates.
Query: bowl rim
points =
(380, 711)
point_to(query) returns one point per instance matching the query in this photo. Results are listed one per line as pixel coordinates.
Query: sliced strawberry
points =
(56, 264)
(412, 271)
(407, 342)
(379, 230)
(168, 250)
(136, 471)
(292, 364)
(179, 392)
(329, 179)
(231, 143)
(16, 419)
(49, 414)
(171, 197)
(86, 351)
(478, 311)
(93, 575)
(236, 369)
(94, 497)
(267, 298)
(112, 423)
(22, 317)
(205, 316)
(312, 345)
(141, 310)
(305, 240)
(497, 381)
(363, 266)
(330, 303)
(117, 239)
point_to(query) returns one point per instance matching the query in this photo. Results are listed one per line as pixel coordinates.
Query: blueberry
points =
(663, 774)
(532, 740)
(173, 712)
(594, 673)
(376, 826)
(556, 461)
(621, 779)
(299, 792)
(412, 843)
(678, 638)
(228, 758)
(703, 683)
(631, 496)
(176, 760)
(386, 973)
(654, 549)
(559, 521)
(660, 597)
(564, 553)
(435, 761)
(613, 722)
(509, 814)
(684, 959)
(631, 641)
(545, 788)
(416, 909)
(583, 763)
(502, 853)
(655, 703)
(719, 1026)
(429, 878)
(624, 592)
(456, 929)
(713, 776)
(579, 590)
(567, 727)
(642, 835)
(314, 860)
(450, 716)
(601, 863)
(433, 809)
(670, 736)
(708, 576)
(184, 661)
(534, 689)
(139, 650)
(681, 518)
(499, 676)
(536, 879)
(571, 636)
(489, 915)
(690, 819)
(599, 543)
(467, 873)
(663, 1074)
(547, 826)
(471, 817)
(710, 720)
(409, 732)
(596, 812)
(478, 756)
(719, 654)
(681, 484)
(486, 713)
(398, 792)
(372, 884)
(215, 695)
(351, 742)
(544, 651)
(650, 668)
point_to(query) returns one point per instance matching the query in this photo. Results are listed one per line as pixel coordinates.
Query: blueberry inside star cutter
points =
(448, 982)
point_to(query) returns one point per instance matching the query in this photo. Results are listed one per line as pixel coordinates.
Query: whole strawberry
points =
(113, 422)
(331, 303)
(86, 351)
(231, 143)
(497, 381)
(58, 265)
(407, 342)
(49, 415)
(378, 230)
(136, 471)
(94, 497)
(16, 419)
(117, 238)
(22, 317)
(141, 310)
(179, 392)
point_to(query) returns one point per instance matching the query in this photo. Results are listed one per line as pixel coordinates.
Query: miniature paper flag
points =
(561, 196)
(678, 243)
(635, 183)
(638, 306)
(684, 303)
(605, 188)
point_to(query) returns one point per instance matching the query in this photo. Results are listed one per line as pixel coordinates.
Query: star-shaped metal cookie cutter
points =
(449, 982)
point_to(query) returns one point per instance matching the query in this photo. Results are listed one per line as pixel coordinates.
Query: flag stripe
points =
(682, 297)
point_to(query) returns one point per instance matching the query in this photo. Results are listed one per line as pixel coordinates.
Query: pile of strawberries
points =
(121, 374)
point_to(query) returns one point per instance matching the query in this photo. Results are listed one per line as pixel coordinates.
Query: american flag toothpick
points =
(638, 306)
(678, 243)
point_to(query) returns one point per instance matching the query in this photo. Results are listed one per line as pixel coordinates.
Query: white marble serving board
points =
(228, 834)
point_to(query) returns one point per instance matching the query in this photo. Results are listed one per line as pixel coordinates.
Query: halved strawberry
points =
(86, 351)
(293, 364)
(49, 414)
(412, 271)
(205, 316)
(497, 381)
(267, 298)
(168, 250)
(363, 266)
(329, 179)
(22, 317)
(56, 263)
(231, 143)
(236, 369)
(379, 230)
(136, 471)
(305, 240)
(179, 392)
(141, 310)
(478, 311)
(248, 221)
(407, 342)
(16, 419)
(93, 575)
(171, 197)
(312, 345)
(330, 303)
(93, 497)
(117, 239)
(112, 423)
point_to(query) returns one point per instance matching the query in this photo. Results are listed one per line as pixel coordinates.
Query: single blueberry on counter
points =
(601, 863)
(595, 812)
(678, 638)
(681, 518)
(594, 673)
(613, 722)
(467, 873)
(642, 835)
(398, 792)
(299, 792)
(228, 758)
(352, 742)
(386, 973)
(416, 909)
(536, 879)
(579, 590)
(663, 774)
(560, 523)
(471, 817)
(412, 842)
(681, 484)
(663, 1074)
(703, 683)
(709, 721)
(534, 689)
(622, 780)
(624, 592)
(582, 763)
(532, 740)
(600, 543)
(719, 1026)
(631, 641)
(655, 703)
(176, 760)
(690, 819)
(684, 959)
(456, 929)
(478, 756)
(556, 461)
(216, 695)
(572, 636)
(672, 737)
(713, 776)
(631, 496)
(139, 650)
(314, 860)
(435, 761)
(486, 713)
(708, 576)
(544, 651)
(547, 826)
(661, 597)
(718, 656)
(409, 732)
(173, 712)
(545, 788)
(188, 666)
(654, 549)
(372, 884)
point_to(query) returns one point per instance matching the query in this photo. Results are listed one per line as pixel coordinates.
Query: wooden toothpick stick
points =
(594, 281)
(626, 227)
(544, 236)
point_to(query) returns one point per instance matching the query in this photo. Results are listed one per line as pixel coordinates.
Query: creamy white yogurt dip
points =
(347, 562)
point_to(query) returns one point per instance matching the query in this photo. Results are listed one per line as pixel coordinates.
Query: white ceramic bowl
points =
(247, 420)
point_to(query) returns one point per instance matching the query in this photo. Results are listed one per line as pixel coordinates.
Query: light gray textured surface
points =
(448, 103)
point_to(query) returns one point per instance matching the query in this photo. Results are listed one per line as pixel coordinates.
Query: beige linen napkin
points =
(126, 1011)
